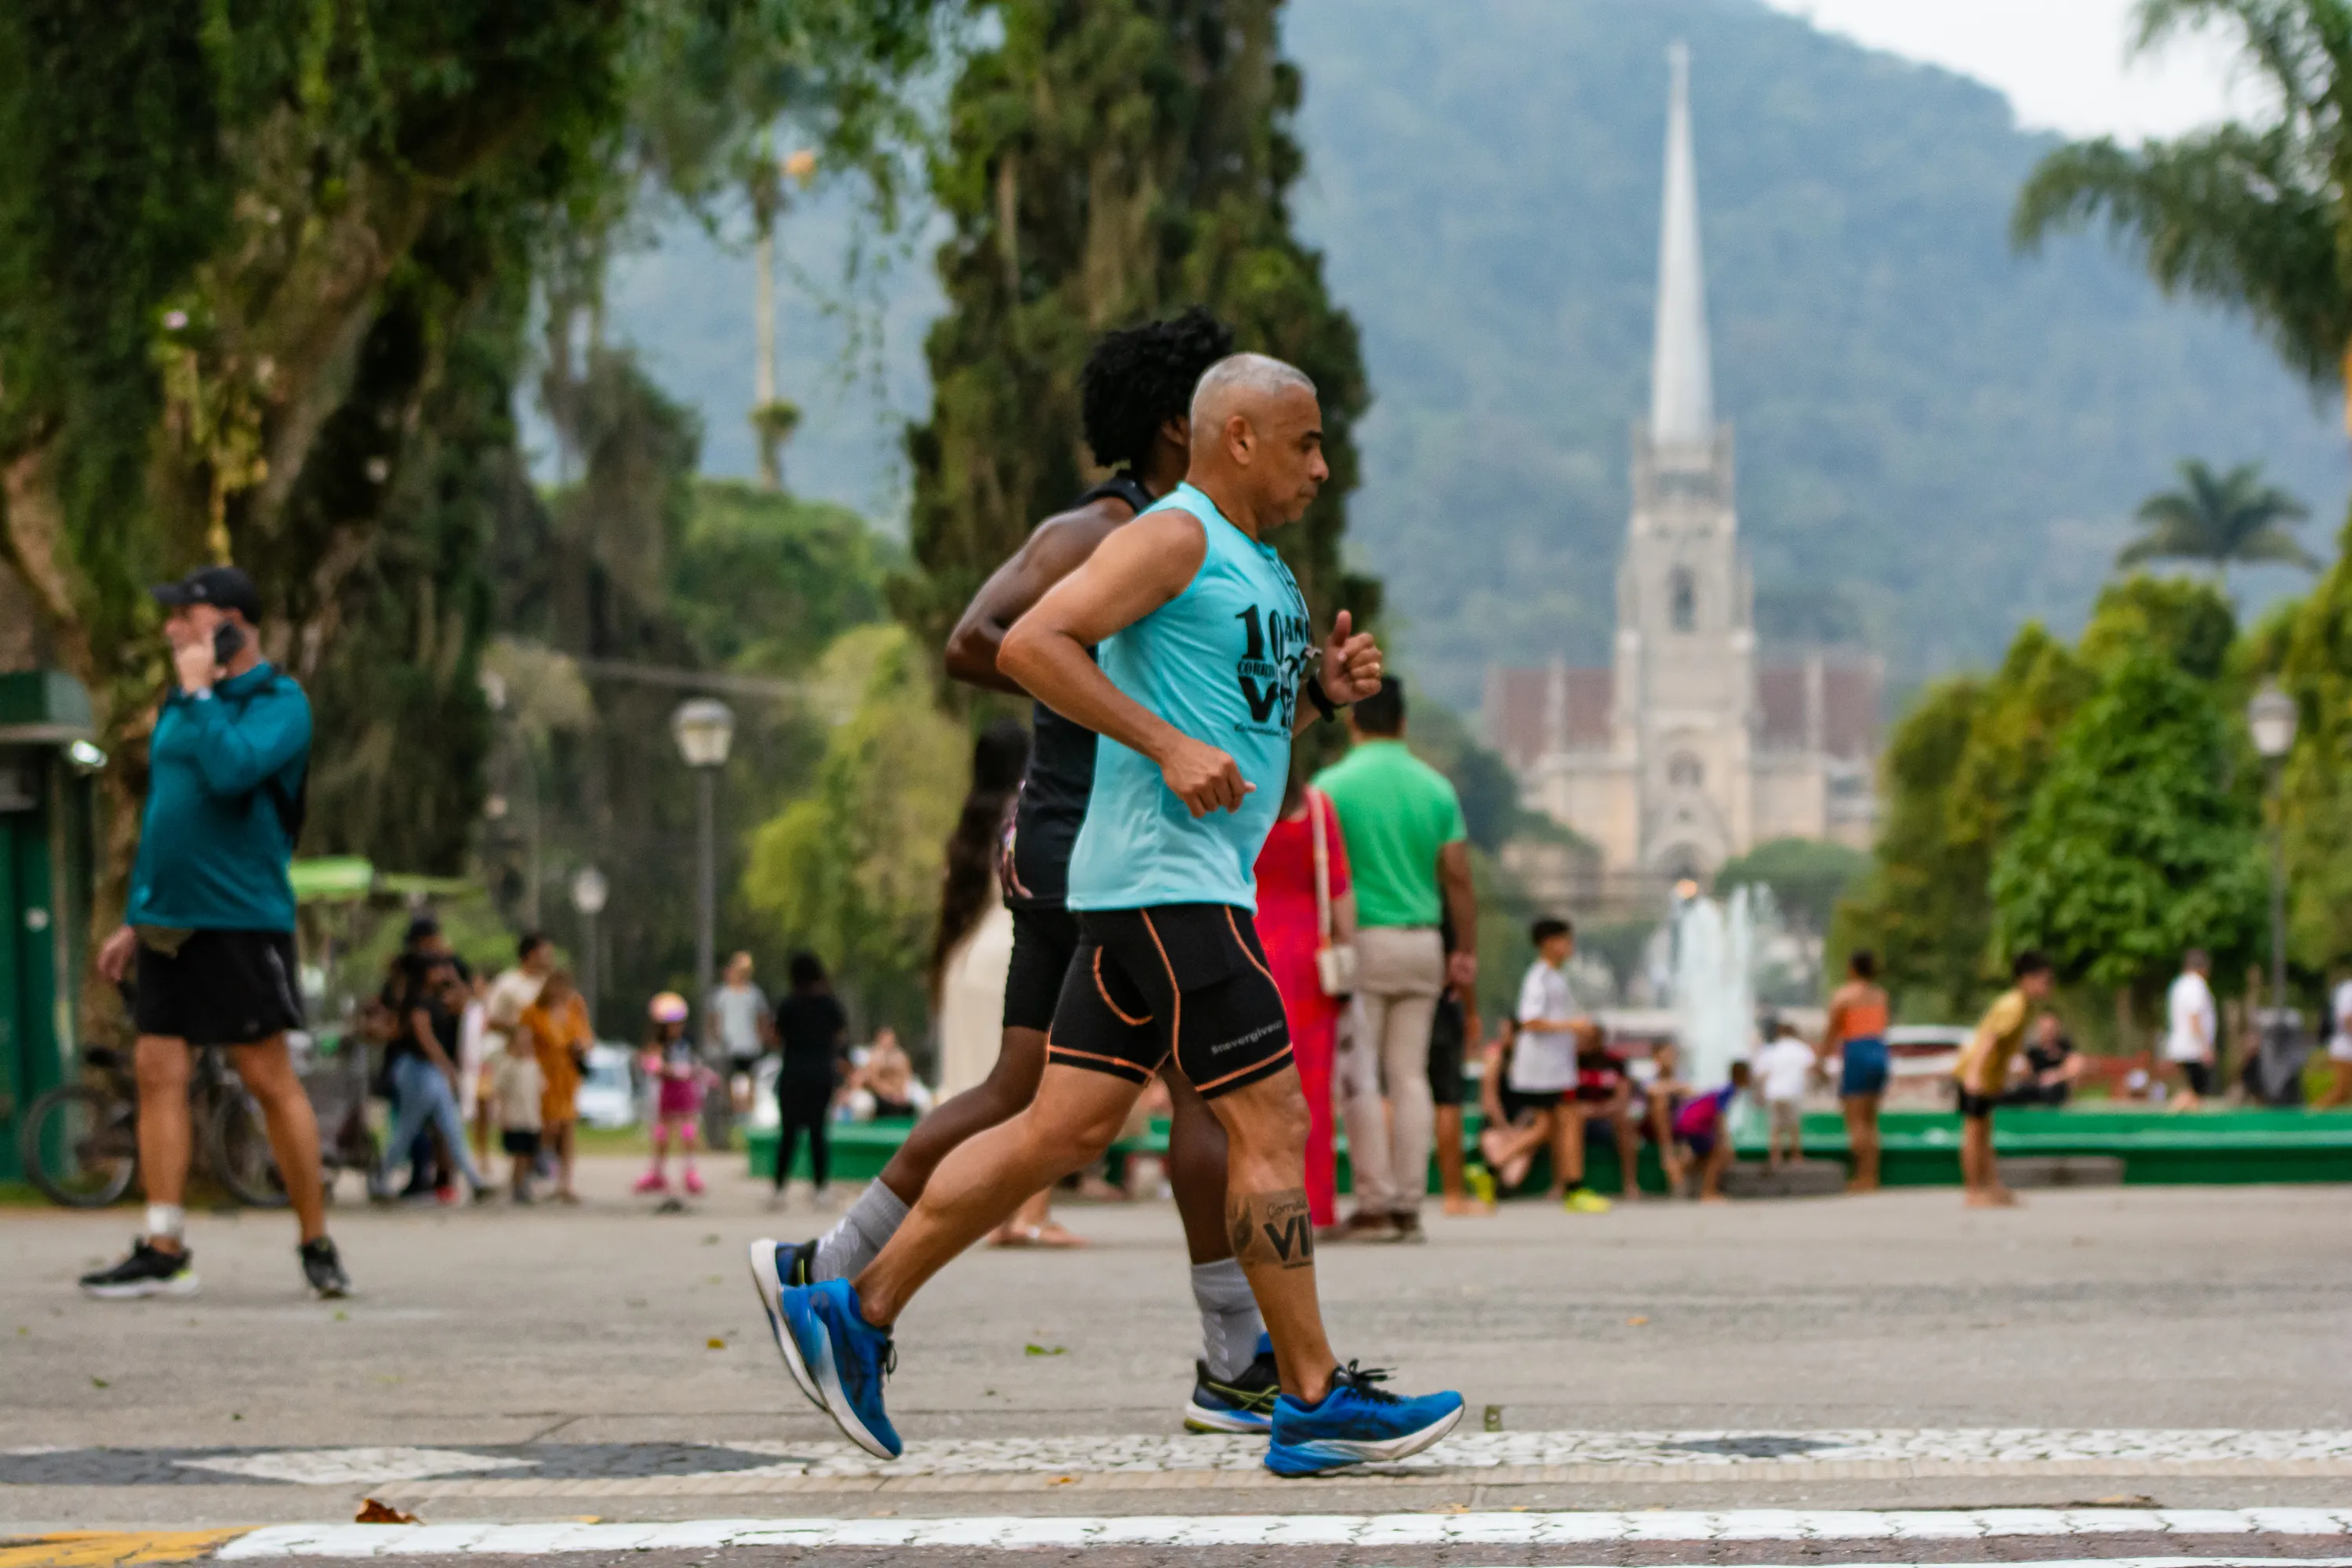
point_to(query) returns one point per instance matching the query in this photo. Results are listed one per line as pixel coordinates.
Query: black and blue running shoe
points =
(1244, 1403)
(776, 1268)
(829, 1343)
(1357, 1423)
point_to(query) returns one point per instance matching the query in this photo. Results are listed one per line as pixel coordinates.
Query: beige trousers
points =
(1400, 973)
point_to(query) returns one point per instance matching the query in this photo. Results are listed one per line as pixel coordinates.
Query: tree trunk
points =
(764, 372)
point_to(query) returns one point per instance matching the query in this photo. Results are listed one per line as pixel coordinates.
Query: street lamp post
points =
(705, 731)
(589, 891)
(2271, 716)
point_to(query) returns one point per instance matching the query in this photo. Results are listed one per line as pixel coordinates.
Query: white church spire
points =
(1682, 381)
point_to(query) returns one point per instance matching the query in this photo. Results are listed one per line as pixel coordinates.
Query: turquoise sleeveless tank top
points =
(1221, 661)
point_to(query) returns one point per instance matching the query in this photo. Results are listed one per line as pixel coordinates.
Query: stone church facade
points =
(1693, 745)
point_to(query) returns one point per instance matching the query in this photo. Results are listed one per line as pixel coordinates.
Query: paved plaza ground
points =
(2132, 1350)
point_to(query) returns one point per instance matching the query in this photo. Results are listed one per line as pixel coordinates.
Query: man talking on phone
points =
(208, 937)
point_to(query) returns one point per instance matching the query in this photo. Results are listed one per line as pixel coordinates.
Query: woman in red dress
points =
(1288, 928)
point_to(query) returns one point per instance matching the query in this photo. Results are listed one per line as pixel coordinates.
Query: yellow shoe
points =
(1582, 1201)
(1481, 1182)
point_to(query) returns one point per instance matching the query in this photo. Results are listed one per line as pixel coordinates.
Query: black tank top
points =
(1060, 776)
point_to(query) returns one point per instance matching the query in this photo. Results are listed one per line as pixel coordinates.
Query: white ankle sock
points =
(1229, 1323)
(859, 1236)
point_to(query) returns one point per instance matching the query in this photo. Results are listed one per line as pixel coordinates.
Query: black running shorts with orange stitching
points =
(1183, 981)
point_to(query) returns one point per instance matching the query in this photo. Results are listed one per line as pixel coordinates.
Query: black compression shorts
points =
(1187, 981)
(1043, 941)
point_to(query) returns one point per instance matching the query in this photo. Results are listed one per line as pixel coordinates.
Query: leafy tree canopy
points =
(2138, 844)
(1108, 162)
(1807, 876)
(852, 871)
(2189, 623)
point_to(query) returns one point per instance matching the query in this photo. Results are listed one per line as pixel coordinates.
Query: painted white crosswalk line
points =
(1361, 1531)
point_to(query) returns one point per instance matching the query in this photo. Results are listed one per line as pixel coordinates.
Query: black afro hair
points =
(1138, 378)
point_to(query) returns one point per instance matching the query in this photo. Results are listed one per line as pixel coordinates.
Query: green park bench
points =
(1921, 1148)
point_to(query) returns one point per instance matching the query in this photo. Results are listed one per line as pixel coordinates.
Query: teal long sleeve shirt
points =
(213, 850)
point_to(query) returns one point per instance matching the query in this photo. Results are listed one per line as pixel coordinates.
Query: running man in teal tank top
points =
(1204, 646)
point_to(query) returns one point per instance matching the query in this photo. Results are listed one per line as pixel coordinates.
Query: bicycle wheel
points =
(80, 1146)
(241, 1155)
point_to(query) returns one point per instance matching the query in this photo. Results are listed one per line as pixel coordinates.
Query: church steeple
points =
(1682, 379)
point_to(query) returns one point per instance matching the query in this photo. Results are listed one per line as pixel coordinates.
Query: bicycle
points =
(80, 1142)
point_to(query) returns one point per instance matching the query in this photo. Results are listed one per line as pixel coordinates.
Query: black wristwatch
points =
(1313, 687)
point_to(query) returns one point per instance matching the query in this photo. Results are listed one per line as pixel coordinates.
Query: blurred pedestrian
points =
(2339, 1044)
(1982, 1077)
(679, 1078)
(208, 934)
(1856, 1032)
(518, 1088)
(2194, 1026)
(884, 1087)
(1702, 1129)
(556, 1025)
(1305, 909)
(1553, 1030)
(2052, 1066)
(1409, 852)
(422, 1061)
(1452, 1029)
(1784, 1070)
(1604, 1107)
(513, 990)
(736, 1018)
(813, 1035)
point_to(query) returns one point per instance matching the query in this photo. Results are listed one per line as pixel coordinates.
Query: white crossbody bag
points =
(1335, 960)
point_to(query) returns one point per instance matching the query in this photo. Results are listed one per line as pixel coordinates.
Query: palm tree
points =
(2252, 216)
(2232, 518)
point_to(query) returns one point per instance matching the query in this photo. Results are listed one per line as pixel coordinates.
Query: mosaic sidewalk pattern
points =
(1358, 1530)
(1176, 1462)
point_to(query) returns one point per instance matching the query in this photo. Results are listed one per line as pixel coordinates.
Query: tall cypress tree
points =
(1110, 161)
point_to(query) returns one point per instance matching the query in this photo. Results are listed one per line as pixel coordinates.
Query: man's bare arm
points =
(1058, 547)
(1134, 571)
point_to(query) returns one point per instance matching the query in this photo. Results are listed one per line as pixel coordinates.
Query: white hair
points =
(1237, 379)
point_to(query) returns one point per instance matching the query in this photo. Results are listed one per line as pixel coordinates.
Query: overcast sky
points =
(2062, 62)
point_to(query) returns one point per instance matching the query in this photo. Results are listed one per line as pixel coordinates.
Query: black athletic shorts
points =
(2199, 1076)
(1183, 981)
(1445, 1031)
(222, 988)
(1973, 1106)
(1044, 942)
(521, 1142)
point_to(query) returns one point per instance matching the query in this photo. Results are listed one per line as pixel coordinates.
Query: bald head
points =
(1257, 440)
(1238, 382)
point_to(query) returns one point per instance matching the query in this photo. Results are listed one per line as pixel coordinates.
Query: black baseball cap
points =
(226, 586)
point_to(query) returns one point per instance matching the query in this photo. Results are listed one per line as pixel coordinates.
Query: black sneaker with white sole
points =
(148, 1271)
(1244, 1403)
(323, 1267)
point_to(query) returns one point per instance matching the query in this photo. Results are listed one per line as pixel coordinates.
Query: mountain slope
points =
(1936, 438)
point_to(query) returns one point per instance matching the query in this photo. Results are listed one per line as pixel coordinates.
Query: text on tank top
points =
(1220, 662)
(1035, 864)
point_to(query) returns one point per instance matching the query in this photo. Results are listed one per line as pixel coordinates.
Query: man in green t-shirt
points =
(1409, 861)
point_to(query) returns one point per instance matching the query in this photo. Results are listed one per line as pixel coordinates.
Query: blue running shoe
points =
(1357, 1424)
(1243, 1405)
(847, 1358)
(776, 1268)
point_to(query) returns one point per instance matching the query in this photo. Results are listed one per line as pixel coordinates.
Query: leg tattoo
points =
(1272, 1230)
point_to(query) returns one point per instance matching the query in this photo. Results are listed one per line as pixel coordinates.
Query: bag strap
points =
(1315, 801)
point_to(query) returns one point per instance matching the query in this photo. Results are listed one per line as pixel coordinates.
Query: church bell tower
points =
(1683, 709)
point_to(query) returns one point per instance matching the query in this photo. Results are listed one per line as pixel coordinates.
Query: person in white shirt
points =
(2339, 1045)
(2193, 1024)
(1538, 1089)
(1784, 1069)
(502, 1009)
(741, 1023)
